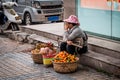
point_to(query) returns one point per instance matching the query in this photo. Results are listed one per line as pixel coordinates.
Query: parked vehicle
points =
(9, 19)
(39, 10)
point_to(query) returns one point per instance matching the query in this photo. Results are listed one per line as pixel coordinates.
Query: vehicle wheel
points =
(27, 19)
(14, 27)
(2, 32)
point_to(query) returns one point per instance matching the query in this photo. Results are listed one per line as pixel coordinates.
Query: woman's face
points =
(69, 25)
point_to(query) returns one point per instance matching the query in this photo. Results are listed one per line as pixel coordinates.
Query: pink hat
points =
(72, 19)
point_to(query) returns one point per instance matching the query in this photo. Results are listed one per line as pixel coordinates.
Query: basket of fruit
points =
(48, 53)
(36, 56)
(64, 62)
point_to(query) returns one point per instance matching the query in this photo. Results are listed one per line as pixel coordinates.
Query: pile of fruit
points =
(40, 46)
(43, 45)
(43, 52)
(46, 48)
(35, 51)
(64, 57)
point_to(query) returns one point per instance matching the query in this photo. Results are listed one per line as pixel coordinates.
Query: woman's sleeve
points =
(65, 36)
(74, 34)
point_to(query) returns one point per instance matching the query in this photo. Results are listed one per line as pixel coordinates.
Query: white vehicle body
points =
(39, 10)
(12, 16)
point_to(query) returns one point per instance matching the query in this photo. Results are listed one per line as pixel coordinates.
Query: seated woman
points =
(73, 35)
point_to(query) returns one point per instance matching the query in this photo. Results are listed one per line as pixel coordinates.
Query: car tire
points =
(27, 19)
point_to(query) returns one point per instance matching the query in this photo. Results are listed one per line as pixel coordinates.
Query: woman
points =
(73, 35)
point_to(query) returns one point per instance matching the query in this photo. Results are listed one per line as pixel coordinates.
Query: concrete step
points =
(36, 38)
(102, 46)
(101, 62)
(40, 32)
(103, 50)
(105, 46)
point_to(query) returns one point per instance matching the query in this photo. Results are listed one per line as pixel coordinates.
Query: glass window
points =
(100, 17)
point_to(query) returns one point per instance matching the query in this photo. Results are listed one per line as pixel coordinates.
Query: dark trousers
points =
(69, 48)
(72, 49)
(81, 50)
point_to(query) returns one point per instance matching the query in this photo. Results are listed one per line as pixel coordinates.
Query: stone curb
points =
(22, 37)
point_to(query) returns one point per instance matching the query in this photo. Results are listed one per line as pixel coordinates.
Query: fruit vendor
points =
(73, 34)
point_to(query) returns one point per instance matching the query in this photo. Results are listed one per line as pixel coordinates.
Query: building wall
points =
(69, 8)
(100, 17)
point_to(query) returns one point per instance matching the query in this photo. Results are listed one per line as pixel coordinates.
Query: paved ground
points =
(8, 46)
(16, 64)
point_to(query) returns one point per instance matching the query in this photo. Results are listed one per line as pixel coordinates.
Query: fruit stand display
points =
(48, 53)
(64, 62)
(36, 52)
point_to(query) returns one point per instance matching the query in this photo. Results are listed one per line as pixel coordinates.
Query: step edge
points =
(103, 60)
(38, 37)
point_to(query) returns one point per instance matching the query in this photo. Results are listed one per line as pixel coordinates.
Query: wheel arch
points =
(25, 14)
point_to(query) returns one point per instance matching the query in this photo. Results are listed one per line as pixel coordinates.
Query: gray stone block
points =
(31, 38)
(101, 62)
(22, 37)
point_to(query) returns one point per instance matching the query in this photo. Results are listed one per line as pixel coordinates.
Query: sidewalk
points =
(54, 28)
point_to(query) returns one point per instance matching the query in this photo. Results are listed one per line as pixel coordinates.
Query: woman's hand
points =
(66, 27)
(69, 42)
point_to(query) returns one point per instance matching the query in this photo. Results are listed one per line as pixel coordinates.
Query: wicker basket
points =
(65, 67)
(37, 58)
